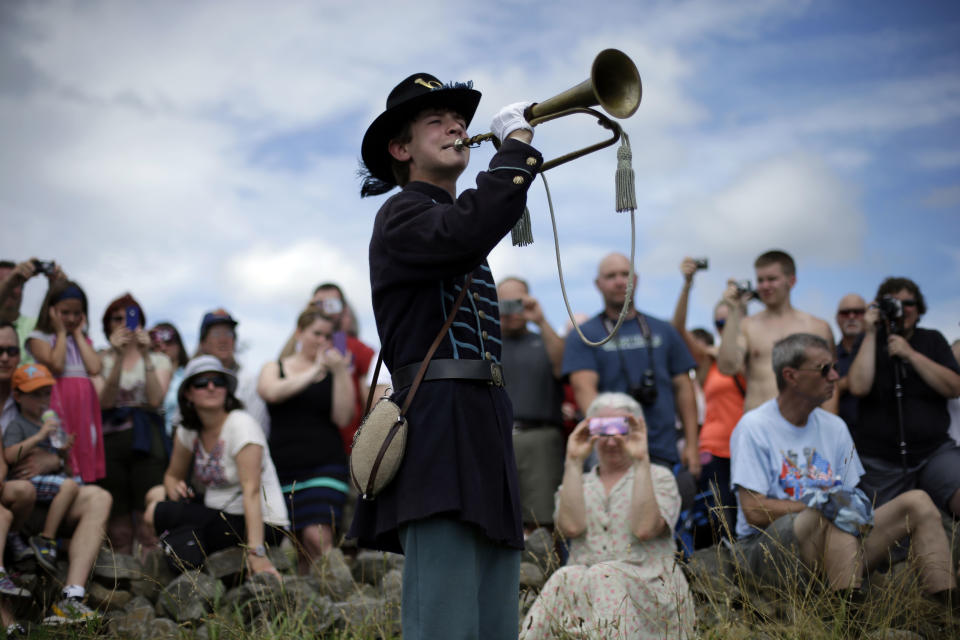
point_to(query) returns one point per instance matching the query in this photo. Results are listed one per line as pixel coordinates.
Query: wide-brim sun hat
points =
(414, 94)
(205, 364)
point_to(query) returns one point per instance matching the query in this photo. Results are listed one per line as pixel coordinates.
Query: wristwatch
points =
(260, 551)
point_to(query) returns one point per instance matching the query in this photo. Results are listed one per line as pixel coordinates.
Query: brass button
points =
(518, 180)
(531, 161)
(484, 334)
(476, 296)
(486, 355)
(482, 315)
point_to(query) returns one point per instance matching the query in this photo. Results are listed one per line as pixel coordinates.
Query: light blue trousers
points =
(457, 584)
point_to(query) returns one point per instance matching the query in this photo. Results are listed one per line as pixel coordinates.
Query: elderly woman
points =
(242, 505)
(621, 580)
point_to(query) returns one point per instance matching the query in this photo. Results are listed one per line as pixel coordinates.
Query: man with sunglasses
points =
(896, 348)
(787, 454)
(850, 313)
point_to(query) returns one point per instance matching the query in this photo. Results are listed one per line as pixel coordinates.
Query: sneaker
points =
(19, 549)
(46, 552)
(16, 630)
(9, 588)
(70, 611)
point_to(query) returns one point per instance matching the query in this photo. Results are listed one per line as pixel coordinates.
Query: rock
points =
(362, 616)
(115, 568)
(283, 558)
(100, 597)
(138, 602)
(371, 566)
(162, 628)
(711, 575)
(190, 596)
(135, 622)
(334, 576)
(227, 565)
(539, 549)
(391, 586)
(531, 576)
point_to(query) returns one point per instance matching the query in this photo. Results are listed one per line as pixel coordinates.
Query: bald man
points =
(647, 359)
(850, 314)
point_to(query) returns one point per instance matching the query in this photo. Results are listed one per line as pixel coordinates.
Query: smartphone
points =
(511, 306)
(331, 306)
(340, 341)
(133, 319)
(615, 426)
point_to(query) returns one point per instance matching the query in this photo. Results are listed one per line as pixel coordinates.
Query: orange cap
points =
(30, 377)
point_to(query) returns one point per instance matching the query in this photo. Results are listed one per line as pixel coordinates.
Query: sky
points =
(204, 155)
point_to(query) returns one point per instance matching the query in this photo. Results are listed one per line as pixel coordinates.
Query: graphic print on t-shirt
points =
(209, 469)
(813, 472)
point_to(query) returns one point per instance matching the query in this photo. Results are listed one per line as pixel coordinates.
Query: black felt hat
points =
(419, 91)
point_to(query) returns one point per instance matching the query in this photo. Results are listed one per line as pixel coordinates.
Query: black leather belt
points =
(448, 369)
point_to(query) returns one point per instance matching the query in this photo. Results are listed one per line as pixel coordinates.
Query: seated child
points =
(32, 385)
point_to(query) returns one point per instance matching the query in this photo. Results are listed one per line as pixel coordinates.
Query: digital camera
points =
(646, 392)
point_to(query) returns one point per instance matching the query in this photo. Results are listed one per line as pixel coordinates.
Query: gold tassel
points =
(522, 232)
(626, 190)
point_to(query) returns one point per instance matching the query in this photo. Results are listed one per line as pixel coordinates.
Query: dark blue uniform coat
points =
(459, 457)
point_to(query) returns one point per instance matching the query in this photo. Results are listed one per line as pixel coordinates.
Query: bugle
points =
(614, 85)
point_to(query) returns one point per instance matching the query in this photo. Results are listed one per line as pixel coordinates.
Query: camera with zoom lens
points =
(646, 392)
(892, 311)
(744, 287)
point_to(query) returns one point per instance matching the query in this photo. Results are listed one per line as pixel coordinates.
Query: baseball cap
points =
(217, 316)
(30, 377)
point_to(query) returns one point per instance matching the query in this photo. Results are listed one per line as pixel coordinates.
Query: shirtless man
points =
(747, 343)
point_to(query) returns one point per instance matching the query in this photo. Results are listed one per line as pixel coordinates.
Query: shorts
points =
(773, 555)
(130, 474)
(539, 453)
(48, 486)
(938, 475)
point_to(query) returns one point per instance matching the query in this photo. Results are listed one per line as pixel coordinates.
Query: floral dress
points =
(614, 585)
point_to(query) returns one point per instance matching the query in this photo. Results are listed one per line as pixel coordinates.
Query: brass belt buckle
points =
(496, 373)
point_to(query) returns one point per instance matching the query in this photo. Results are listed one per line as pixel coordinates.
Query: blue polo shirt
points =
(620, 364)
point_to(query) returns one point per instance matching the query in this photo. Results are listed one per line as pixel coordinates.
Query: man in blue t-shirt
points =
(788, 449)
(647, 359)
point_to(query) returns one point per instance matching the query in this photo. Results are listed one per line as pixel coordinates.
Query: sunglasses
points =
(719, 324)
(219, 382)
(12, 350)
(909, 302)
(851, 312)
(824, 369)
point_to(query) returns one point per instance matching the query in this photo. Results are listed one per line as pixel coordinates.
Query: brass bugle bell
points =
(614, 85)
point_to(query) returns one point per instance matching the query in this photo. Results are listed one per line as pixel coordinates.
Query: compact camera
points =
(646, 392)
(44, 267)
(744, 287)
(701, 263)
(511, 306)
(612, 426)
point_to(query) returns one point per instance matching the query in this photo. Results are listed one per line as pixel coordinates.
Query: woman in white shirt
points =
(243, 504)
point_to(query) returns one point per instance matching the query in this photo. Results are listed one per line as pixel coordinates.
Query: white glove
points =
(509, 119)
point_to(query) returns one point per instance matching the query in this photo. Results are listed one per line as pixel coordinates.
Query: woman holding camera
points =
(131, 387)
(310, 396)
(622, 575)
(230, 458)
(165, 339)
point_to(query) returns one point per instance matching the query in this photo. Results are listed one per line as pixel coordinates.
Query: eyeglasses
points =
(12, 350)
(719, 324)
(851, 312)
(824, 369)
(202, 383)
(909, 302)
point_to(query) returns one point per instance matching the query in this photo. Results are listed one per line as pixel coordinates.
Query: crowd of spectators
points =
(141, 447)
